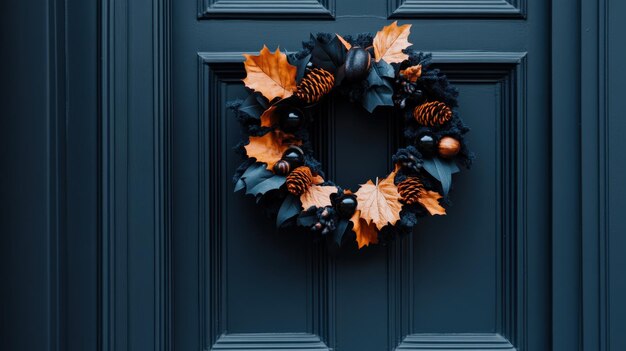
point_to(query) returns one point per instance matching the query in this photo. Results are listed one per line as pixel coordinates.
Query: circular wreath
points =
(378, 71)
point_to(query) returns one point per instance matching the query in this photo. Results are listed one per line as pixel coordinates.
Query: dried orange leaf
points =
(430, 200)
(344, 42)
(365, 233)
(269, 148)
(379, 203)
(390, 41)
(317, 195)
(412, 73)
(270, 74)
(269, 118)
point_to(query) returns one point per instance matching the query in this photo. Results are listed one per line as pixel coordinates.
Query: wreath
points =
(379, 72)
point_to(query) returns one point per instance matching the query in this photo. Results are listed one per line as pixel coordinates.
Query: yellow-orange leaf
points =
(269, 118)
(390, 41)
(270, 74)
(269, 148)
(430, 200)
(317, 195)
(365, 233)
(412, 73)
(344, 42)
(379, 203)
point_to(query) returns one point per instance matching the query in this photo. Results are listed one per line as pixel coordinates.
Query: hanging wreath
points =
(377, 71)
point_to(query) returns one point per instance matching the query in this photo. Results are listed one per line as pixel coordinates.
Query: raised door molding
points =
(276, 9)
(457, 8)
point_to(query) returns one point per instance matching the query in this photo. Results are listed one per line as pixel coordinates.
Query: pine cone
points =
(315, 85)
(409, 190)
(299, 180)
(432, 113)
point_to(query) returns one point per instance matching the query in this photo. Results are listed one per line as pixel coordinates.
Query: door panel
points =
(462, 281)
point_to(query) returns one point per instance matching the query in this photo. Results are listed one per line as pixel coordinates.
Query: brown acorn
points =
(448, 147)
(432, 113)
(409, 190)
(317, 83)
(282, 167)
(299, 180)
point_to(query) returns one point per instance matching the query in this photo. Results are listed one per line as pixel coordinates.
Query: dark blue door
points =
(478, 278)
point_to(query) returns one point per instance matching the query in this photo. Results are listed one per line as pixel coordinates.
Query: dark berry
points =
(291, 118)
(346, 206)
(295, 156)
(427, 145)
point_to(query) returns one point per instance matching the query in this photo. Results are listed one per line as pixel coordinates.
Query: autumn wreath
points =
(377, 71)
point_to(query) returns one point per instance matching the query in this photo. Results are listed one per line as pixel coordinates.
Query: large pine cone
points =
(315, 85)
(299, 180)
(409, 190)
(432, 113)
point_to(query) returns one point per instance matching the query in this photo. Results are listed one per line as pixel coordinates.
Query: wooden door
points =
(478, 278)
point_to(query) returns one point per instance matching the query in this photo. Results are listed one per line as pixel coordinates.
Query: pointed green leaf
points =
(442, 170)
(290, 208)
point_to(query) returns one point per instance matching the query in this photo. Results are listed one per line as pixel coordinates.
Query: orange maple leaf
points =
(430, 200)
(270, 74)
(344, 42)
(390, 41)
(318, 196)
(412, 73)
(365, 233)
(269, 118)
(379, 203)
(269, 148)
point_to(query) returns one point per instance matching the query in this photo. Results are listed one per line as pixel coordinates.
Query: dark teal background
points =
(118, 231)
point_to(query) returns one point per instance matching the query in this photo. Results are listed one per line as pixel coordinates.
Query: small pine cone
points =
(315, 85)
(299, 180)
(432, 113)
(409, 190)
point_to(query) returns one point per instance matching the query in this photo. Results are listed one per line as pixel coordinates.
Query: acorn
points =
(357, 64)
(346, 206)
(449, 147)
(427, 145)
(282, 167)
(290, 118)
(295, 156)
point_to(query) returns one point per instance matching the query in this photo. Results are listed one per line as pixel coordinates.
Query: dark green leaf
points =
(240, 185)
(255, 174)
(377, 96)
(254, 105)
(340, 230)
(384, 69)
(380, 90)
(442, 170)
(301, 66)
(329, 56)
(307, 218)
(272, 183)
(290, 208)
